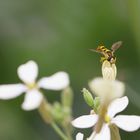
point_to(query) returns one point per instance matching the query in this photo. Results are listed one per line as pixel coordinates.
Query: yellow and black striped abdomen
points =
(103, 49)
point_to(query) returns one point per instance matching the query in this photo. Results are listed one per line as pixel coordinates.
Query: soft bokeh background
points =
(57, 34)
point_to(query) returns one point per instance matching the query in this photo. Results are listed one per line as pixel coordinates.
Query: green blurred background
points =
(58, 34)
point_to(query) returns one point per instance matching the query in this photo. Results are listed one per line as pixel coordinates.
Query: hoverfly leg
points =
(102, 59)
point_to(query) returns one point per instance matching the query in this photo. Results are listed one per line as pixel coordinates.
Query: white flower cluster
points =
(110, 92)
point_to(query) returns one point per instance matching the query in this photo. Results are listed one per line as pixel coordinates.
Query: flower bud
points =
(67, 97)
(45, 111)
(109, 71)
(57, 112)
(96, 103)
(88, 97)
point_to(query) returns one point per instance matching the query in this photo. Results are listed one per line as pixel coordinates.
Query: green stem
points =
(58, 131)
(45, 112)
(68, 132)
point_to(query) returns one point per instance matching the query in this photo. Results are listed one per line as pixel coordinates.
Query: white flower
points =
(125, 122)
(28, 73)
(79, 136)
(106, 88)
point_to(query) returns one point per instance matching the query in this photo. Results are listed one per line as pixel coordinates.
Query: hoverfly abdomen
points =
(102, 49)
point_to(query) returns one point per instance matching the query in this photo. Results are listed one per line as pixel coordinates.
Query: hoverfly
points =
(108, 54)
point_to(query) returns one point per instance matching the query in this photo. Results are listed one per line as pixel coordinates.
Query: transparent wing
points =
(93, 50)
(116, 45)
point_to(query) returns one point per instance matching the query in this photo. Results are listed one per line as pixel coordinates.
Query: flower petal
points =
(11, 91)
(104, 134)
(127, 122)
(109, 70)
(79, 136)
(102, 88)
(118, 88)
(117, 106)
(98, 86)
(32, 100)
(58, 81)
(28, 72)
(85, 121)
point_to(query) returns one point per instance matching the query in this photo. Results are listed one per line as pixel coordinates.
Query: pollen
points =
(107, 119)
(31, 86)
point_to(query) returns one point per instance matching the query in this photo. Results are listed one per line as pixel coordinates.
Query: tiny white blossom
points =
(125, 122)
(79, 136)
(28, 73)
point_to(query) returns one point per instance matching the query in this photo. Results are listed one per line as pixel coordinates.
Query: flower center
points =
(32, 85)
(107, 119)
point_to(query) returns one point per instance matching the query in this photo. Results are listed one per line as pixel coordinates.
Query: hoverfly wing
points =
(116, 45)
(93, 50)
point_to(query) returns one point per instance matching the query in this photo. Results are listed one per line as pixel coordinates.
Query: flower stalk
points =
(109, 72)
(59, 131)
(102, 113)
(45, 112)
(115, 135)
